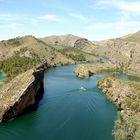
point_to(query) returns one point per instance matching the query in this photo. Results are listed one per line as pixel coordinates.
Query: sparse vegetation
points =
(126, 95)
(12, 42)
(16, 64)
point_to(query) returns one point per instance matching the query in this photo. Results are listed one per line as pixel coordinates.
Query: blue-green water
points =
(71, 109)
(2, 77)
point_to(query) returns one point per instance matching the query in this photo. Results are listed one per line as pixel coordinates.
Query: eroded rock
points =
(22, 92)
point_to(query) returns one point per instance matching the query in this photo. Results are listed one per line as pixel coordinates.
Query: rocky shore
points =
(20, 93)
(87, 70)
(125, 94)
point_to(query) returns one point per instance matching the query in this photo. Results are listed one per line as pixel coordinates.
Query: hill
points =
(122, 52)
(63, 41)
(135, 37)
(21, 53)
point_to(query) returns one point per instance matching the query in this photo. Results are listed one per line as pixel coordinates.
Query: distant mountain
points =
(22, 53)
(123, 52)
(62, 41)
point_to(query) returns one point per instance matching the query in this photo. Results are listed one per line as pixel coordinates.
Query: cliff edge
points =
(22, 92)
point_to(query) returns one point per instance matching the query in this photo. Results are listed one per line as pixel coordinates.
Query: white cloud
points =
(50, 17)
(101, 30)
(77, 16)
(132, 7)
(12, 25)
(122, 25)
(7, 17)
(125, 15)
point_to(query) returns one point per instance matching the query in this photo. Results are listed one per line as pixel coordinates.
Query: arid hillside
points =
(22, 53)
(62, 41)
(122, 52)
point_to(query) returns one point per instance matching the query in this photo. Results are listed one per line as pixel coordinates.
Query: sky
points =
(92, 19)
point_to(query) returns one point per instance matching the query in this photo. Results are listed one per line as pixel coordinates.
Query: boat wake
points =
(82, 89)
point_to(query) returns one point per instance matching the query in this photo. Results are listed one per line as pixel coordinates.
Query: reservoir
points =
(71, 109)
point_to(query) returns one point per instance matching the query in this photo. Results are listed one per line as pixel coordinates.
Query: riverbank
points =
(87, 70)
(23, 90)
(66, 111)
(126, 95)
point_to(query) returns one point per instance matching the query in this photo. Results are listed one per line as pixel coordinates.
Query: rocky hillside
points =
(79, 49)
(59, 42)
(135, 37)
(30, 47)
(122, 52)
(22, 53)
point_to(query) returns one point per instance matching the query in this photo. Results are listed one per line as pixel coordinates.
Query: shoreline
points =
(120, 93)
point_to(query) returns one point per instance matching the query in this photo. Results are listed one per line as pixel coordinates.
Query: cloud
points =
(105, 30)
(12, 25)
(50, 17)
(7, 17)
(77, 16)
(122, 25)
(132, 7)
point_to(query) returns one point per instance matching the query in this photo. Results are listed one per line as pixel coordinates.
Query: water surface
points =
(72, 109)
(2, 76)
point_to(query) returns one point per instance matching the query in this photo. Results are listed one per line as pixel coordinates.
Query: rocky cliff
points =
(21, 93)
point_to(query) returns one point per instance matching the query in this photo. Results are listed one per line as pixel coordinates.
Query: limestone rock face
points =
(22, 92)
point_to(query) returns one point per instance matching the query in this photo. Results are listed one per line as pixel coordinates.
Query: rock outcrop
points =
(87, 70)
(22, 92)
